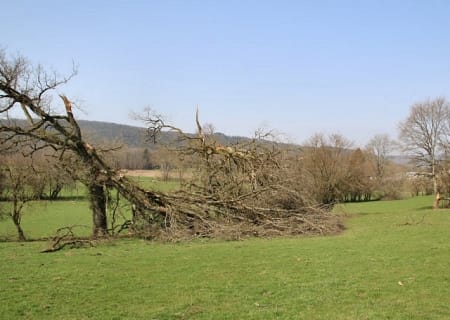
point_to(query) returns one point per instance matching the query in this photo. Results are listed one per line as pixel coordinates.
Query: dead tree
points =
(29, 91)
(46, 129)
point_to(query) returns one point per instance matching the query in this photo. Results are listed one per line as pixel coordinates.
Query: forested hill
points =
(113, 132)
(134, 137)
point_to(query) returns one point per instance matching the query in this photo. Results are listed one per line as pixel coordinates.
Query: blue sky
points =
(301, 67)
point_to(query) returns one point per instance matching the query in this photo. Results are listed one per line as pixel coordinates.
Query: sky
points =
(298, 67)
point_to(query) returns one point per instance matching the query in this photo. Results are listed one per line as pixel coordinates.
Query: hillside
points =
(112, 132)
(135, 137)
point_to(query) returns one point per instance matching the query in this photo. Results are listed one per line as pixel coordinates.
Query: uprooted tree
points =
(241, 189)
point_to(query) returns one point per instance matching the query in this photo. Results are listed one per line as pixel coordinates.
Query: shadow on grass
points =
(367, 213)
(69, 198)
(424, 208)
(362, 201)
(8, 239)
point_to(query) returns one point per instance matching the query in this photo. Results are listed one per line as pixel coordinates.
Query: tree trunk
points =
(20, 232)
(16, 219)
(437, 198)
(54, 192)
(98, 206)
(433, 173)
(435, 185)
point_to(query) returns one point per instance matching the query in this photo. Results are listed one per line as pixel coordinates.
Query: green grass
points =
(156, 184)
(388, 264)
(42, 218)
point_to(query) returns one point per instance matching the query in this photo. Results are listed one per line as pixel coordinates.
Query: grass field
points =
(43, 218)
(392, 262)
(155, 184)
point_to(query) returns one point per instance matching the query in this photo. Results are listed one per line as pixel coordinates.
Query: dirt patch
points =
(144, 173)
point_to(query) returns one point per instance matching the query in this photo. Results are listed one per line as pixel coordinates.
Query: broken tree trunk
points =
(97, 199)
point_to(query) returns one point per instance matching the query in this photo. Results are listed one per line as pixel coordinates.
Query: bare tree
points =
(423, 132)
(379, 148)
(165, 159)
(325, 167)
(57, 178)
(30, 91)
(358, 180)
(18, 187)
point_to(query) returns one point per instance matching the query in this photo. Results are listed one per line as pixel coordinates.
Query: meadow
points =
(391, 262)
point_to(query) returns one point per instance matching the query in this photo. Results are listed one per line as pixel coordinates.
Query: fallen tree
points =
(238, 190)
(248, 188)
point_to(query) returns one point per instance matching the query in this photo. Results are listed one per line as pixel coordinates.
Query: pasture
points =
(391, 262)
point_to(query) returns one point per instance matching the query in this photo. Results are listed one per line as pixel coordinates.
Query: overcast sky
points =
(301, 67)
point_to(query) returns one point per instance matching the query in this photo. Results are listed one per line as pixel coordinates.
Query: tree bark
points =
(435, 184)
(97, 198)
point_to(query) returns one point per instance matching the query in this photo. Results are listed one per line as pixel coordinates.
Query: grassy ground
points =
(42, 218)
(391, 263)
(155, 184)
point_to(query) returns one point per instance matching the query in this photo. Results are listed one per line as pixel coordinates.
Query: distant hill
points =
(135, 137)
(99, 132)
(112, 132)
